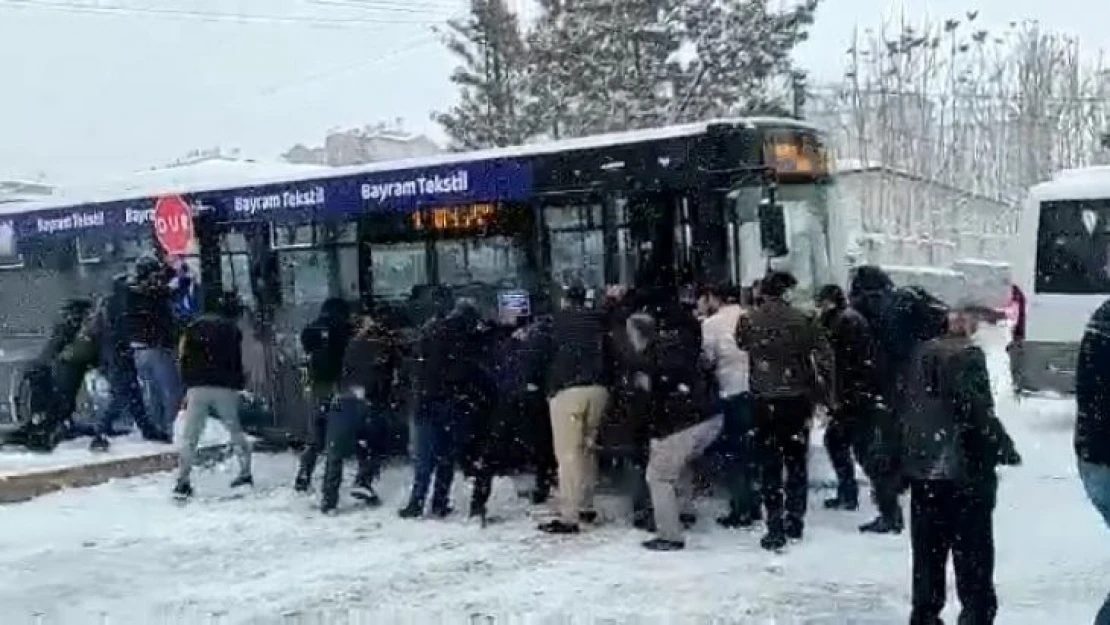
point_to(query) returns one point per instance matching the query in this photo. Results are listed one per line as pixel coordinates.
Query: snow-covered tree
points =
(491, 75)
(614, 64)
(742, 56)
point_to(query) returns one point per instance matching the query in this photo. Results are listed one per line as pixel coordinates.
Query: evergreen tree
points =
(491, 75)
(742, 59)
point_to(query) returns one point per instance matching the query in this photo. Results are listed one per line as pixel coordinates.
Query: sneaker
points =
(773, 541)
(661, 544)
(99, 443)
(411, 511)
(558, 527)
(182, 491)
(243, 480)
(882, 525)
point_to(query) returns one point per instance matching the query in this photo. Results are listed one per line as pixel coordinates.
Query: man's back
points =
(782, 342)
(580, 350)
(211, 354)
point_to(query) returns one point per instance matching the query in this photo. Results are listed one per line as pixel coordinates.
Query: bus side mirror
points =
(772, 229)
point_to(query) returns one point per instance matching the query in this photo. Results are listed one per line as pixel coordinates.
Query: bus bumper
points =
(1040, 366)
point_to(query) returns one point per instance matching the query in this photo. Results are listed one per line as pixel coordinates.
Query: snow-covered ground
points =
(17, 460)
(125, 551)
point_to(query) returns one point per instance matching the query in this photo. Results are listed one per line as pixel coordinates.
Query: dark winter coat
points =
(115, 342)
(370, 363)
(65, 330)
(666, 363)
(150, 315)
(212, 354)
(451, 356)
(325, 343)
(581, 353)
(1092, 390)
(949, 429)
(788, 350)
(854, 380)
(503, 439)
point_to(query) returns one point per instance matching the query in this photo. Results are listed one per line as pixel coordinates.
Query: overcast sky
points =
(92, 93)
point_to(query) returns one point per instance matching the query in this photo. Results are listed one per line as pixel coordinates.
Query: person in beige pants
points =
(576, 415)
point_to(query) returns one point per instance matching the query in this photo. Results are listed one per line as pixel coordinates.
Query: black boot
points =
(243, 480)
(99, 443)
(688, 519)
(182, 491)
(644, 520)
(842, 502)
(661, 544)
(884, 525)
(558, 527)
(793, 528)
(411, 511)
(303, 482)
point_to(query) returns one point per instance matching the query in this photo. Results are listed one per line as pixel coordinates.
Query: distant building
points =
(363, 145)
(24, 191)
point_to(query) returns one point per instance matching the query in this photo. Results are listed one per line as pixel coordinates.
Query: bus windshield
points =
(1073, 247)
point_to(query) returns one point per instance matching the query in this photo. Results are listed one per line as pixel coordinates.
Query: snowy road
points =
(125, 551)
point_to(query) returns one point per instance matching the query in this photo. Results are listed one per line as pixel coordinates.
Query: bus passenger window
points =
(1073, 243)
(397, 268)
(577, 248)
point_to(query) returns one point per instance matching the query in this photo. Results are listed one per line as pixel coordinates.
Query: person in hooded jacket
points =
(1092, 422)
(356, 421)
(325, 342)
(683, 419)
(853, 389)
(153, 333)
(451, 385)
(872, 295)
(117, 363)
(789, 358)
(952, 444)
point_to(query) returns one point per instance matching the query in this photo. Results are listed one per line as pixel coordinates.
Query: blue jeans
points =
(1096, 481)
(157, 368)
(741, 454)
(437, 430)
(126, 401)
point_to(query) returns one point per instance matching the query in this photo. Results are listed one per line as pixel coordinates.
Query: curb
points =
(27, 486)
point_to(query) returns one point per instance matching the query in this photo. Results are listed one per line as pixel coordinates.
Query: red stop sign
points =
(173, 224)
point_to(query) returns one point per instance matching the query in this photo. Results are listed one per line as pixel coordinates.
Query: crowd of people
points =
(904, 388)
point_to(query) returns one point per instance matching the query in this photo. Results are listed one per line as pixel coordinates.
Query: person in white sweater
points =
(721, 310)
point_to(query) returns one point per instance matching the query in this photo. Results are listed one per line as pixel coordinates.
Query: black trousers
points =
(351, 431)
(321, 397)
(876, 443)
(949, 518)
(840, 442)
(782, 436)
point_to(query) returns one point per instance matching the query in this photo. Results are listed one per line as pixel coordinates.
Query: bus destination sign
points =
(452, 218)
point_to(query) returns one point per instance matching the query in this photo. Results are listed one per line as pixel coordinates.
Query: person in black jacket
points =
(153, 333)
(212, 370)
(683, 418)
(117, 363)
(852, 390)
(451, 385)
(325, 342)
(1092, 422)
(952, 444)
(356, 421)
(578, 390)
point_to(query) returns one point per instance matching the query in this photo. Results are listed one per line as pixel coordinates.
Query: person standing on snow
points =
(1092, 423)
(153, 331)
(789, 357)
(212, 370)
(118, 365)
(682, 420)
(952, 444)
(731, 366)
(852, 391)
(451, 382)
(356, 421)
(325, 342)
(578, 391)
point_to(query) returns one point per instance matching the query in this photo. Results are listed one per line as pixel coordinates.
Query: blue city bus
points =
(710, 201)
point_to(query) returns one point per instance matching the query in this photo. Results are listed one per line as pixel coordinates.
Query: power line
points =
(71, 7)
(390, 5)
